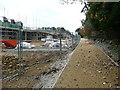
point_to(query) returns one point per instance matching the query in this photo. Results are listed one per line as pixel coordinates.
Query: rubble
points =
(56, 44)
(48, 78)
(11, 64)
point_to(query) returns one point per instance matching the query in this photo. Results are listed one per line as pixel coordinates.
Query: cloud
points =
(43, 13)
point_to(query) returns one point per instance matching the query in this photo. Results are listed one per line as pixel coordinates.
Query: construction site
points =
(59, 44)
(26, 53)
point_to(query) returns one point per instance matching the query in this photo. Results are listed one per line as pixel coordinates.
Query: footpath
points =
(88, 67)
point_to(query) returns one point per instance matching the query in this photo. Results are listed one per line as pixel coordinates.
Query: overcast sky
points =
(43, 13)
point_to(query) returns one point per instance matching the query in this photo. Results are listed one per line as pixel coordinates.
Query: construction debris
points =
(9, 65)
(25, 45)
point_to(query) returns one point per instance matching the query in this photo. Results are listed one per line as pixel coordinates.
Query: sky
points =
(43, 13)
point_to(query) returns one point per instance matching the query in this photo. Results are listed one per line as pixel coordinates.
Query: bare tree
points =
(71, 1)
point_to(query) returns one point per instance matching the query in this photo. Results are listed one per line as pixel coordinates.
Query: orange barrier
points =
(9, 43)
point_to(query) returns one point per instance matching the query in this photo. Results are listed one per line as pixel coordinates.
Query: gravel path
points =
(89, 67)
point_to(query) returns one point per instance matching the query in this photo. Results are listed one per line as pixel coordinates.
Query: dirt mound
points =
(11, 64)
(37, 43)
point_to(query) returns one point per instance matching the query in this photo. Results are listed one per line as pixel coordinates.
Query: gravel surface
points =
(37, 64)
(49, 78)
(86, 67)
(89, 67)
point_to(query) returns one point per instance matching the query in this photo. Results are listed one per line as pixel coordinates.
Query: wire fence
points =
(109, 47)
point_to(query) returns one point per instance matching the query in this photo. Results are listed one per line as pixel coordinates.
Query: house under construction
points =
(12, 30)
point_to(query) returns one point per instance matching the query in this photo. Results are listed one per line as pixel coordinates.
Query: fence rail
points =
(4, 24)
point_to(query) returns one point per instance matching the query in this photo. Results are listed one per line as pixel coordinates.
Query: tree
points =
(53, 28)
(104, 19)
